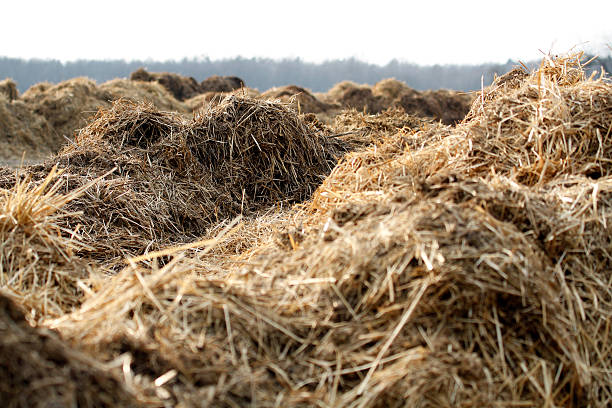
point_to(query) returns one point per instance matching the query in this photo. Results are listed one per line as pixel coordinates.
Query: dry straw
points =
(434, 266)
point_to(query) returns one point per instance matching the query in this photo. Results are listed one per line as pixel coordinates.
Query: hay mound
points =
(424, 270)
(23, 131)
(8, 88)
(167, 180)
(359, 97)
(556, 222)
(218, 83)
(263, 149)
(67, 105)
(392, 89)
(548, 125)
(388, 302)
(450, 107)
(38, 369)
(300, 98)
(180, 87)
(209, 99)
(150, 92)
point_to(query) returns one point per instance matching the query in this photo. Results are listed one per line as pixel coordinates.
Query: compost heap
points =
(449, 107)
(43, 119)
(183, 88)
(434, 266)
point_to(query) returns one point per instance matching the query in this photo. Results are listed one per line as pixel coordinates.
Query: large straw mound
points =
(424, 271)
(166, 180)
(423, 300)
(557, 221)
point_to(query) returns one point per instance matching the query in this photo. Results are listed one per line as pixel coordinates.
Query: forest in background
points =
(263, 73)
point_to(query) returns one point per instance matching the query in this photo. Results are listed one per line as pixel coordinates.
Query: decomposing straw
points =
(433, 265)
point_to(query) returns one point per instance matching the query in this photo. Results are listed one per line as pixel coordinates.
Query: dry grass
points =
(434, 266)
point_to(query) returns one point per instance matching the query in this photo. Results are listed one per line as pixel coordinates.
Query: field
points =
(175, 243)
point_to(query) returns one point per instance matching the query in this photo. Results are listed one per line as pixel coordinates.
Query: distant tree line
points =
(263, 73)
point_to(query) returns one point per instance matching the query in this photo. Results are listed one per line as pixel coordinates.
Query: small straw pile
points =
(434, 266)
(261, 150)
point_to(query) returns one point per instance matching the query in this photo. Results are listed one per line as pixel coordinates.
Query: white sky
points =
(423, 32)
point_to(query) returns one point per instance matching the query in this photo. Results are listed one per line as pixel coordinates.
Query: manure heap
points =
(252, 256)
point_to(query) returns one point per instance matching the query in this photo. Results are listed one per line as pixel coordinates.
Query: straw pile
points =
(164, 179)
(207, 100)
(359, 97)
(301, 98)
(218, 83)
(8, 88)
(184, 88)
(434, 266)
(67, 105)
(450, 107)
(22, 130)
(150, 92)
(180, 87)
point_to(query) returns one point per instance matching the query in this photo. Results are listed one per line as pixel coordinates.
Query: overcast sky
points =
(423, 32)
